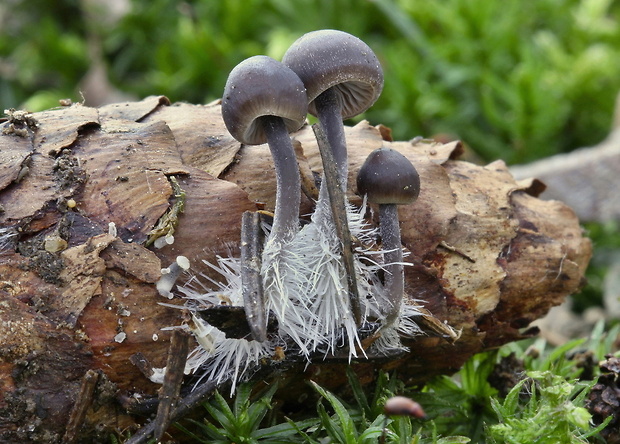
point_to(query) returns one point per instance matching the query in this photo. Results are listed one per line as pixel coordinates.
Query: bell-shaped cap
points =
(261, 86)
(388, 177)
(335, 59)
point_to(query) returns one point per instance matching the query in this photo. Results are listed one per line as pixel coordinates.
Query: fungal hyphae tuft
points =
(328, 322)
(7, 236)
(217, 357)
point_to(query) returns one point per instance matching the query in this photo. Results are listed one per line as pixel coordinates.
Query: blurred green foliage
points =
(515, 80)
(606, 242)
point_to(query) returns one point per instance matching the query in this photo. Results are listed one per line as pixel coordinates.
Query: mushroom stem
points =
(393, 259)
(329, 112)
(288, 182)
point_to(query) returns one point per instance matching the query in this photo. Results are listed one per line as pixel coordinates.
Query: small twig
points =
(142, 363)
(252, 289)
(139, 405)
(443, 244)
(169, 393)
(167, 224)
(337, 203)
(201, 393)
(82, 403)
(184, 405)
(192, 400)
(431, 324)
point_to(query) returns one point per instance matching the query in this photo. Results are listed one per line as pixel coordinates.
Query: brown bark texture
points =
(76, 297)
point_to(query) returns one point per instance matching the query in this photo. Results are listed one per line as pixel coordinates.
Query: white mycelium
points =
(307, 278)
(328, 320)
(6, 236)
(220, 358)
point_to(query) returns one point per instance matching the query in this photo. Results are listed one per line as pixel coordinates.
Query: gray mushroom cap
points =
(335, 59)
(388, 177)
(261, 86)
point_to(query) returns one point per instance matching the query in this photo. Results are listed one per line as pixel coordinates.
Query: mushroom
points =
(403, 406)
(400, 406)
(343, 78)
(170, 275)
(264, 101)
(389, 179)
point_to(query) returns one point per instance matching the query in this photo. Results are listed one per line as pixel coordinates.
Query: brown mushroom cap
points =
(261, 86)
(334, 59)
(400, 405)
(388, 177)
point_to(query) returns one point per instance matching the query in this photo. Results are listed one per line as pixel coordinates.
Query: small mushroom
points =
(403, 406)
(343, 78)
(170, 275)
(400, 406)
(389, 179)
(264, 101)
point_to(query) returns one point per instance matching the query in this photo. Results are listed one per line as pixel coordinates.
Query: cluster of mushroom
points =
(304, 284)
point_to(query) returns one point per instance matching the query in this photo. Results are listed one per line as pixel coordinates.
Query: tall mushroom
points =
(264, 100)
(389, 179)
(343, 78)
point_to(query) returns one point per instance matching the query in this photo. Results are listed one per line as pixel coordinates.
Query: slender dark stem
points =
(393, 258)
(288, 183)
(331, 138)
(329, 112)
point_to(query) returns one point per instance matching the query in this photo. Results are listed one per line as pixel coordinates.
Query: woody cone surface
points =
(489, 256)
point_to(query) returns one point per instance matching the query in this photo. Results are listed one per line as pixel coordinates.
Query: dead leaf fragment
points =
(82, 273)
